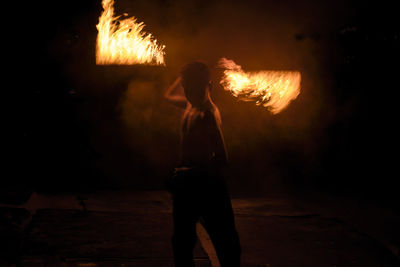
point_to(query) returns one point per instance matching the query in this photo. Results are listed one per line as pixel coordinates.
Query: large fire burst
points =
(271, 89)
(123, 41)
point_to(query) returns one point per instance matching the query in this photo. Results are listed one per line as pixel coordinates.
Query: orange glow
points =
(122, 41)
(271, 89)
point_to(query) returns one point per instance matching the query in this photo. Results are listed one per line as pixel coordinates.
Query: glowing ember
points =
(272, 89)
(122, 41)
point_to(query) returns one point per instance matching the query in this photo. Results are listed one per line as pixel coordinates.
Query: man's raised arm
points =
(175, 94)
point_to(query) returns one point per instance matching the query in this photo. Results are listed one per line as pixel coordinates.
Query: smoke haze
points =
(129, 135)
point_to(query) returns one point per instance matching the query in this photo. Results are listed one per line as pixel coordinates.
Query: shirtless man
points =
(199, 191)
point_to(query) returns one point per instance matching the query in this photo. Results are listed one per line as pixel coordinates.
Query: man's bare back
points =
(202, 139)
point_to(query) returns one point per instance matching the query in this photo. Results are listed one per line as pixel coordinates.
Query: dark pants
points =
(203, 196)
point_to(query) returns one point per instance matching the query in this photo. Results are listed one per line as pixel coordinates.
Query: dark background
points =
(75, 126)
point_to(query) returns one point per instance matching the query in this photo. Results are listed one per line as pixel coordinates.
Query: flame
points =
(122, 41)
(271, 89)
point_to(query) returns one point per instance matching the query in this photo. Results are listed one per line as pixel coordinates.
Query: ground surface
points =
(134, 229)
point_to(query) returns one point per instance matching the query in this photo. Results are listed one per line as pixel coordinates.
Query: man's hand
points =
(175, 94)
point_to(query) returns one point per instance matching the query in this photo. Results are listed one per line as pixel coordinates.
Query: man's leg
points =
(218, 220)
(184, 237)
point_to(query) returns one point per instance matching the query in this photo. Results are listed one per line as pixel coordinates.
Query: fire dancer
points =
(199, 191)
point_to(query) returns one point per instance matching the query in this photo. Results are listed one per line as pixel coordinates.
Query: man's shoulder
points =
(216, 115)
(210, 115)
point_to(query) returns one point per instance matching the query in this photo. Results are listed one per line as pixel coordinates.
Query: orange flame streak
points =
(271, 89)
(123, 42)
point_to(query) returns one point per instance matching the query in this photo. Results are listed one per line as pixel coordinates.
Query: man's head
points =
(196, 82)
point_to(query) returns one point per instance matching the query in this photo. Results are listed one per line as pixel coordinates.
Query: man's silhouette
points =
(199, 191)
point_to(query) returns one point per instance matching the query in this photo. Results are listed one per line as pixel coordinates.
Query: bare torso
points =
(202, 141)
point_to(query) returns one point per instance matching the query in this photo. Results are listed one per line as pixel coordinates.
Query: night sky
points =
(77, 126)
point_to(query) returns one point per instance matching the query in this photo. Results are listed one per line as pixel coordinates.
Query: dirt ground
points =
(134, 229)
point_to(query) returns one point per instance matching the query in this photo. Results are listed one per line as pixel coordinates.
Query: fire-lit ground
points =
(134, 229)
